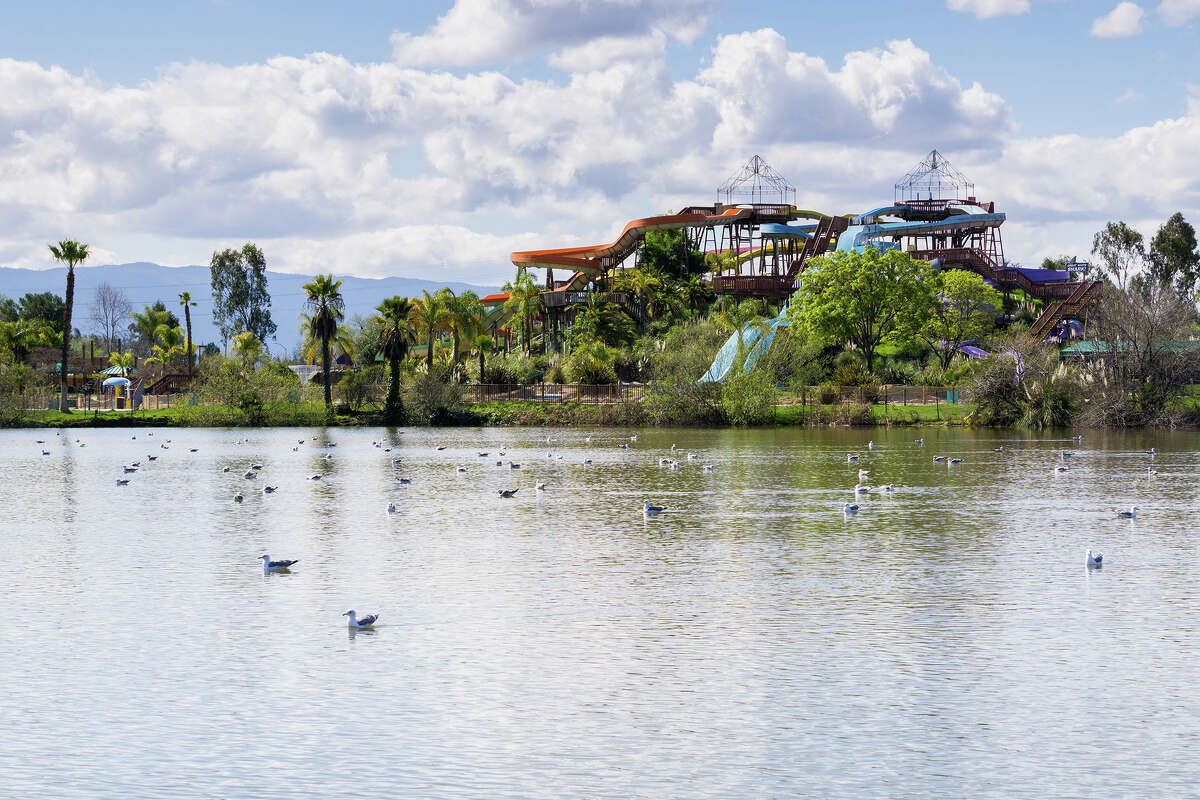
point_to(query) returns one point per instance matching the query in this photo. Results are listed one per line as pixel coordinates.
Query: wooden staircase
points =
(828, 229)
(1054, 313)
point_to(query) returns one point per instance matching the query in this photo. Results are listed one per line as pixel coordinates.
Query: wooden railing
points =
(760, 285)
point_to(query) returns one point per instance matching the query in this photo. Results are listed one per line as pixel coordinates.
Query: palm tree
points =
(482, 344)
(525, 301)
(170, 345)
(248, 348)
(397, 335)
(465, 311)
(22, 335)
(148, 322)
(67, 252)
(185, 300)
(123, 361)
(340, 344)
(325, 301)
(431, 314)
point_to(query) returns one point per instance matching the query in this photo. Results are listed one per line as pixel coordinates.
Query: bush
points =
(852, 374)
(360, 387)
(432, 395)
(827, 393)
(591, 363)
(749, 399)
(679, 401)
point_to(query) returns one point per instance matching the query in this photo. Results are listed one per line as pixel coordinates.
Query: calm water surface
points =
(750, 642)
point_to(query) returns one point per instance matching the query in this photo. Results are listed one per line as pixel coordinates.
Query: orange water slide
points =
(596, 258)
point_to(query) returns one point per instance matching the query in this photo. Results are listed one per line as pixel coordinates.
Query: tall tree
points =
(241, 301)
(524, 300)
(71, 253)
(9, 311)
(431, 315)
(185, 300)
(483, 344)
(1122, 252)
(866, 298)
(46, 306)
(327, 307)
(1174, 259)
(146, 323)
(463, 313)
(397, 335)
(965, 309)
(110, 308)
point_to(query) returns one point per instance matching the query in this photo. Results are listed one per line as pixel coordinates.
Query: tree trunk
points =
(66, 342)
(481, 365)
(429, 351)
(393, 396)
(187, 315)
(325, 365)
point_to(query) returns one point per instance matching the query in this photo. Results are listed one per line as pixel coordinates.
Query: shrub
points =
(852, 374)
(749, 399)
(827, 393)
(591, 363)
(679, 401)
(362, 386)
(432, 395)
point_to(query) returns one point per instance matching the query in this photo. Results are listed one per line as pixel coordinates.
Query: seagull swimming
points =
(939, 458)
(1151, 472)
(1130, 514)
(250, 475)
(871, 445)
(861, 489)
(276, 566)
(708, 467)
(649, 510)
(851, 457)
(540, 486)
(1061, 468)
(507, 492)
(511, 465)
(122, 481)
(863, 473)
(849, 508)
(155, 458)
(360, 624)
(315, 478)
(391, 508)
(237, 498)
(891, 487)
(1152, 452)
(45, 452)
(1094, 559)
(441, 447)
(919, 441)
(129, 469)
(955, 461)
(269, 489)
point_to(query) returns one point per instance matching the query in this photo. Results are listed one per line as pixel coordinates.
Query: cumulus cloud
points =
(1124, 20)
(1179, 12)
(989, 8)
(475, 32)
(381, 169)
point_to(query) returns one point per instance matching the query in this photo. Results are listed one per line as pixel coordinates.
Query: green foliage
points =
(524, 301)
(683, 353)
(965, 310)
(680, 400)
(602, 321)
(1025, 384)
(664, 253)
(852, 374)
(432, 394)
(9, 310)
(1174, 258)
(241, 301)
(324, 301)
(590, 363)
(749, 398)
(361, 387)
(867, 298)
(1121, 250)
(46, 307)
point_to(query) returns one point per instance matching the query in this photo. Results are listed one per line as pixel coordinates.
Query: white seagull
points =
(122, 481)
(849, 508)
(237, 498)
(851, 457)
(391, 508)
(708, 467)
(1130, 514)
(1061, 468)
(276, 566)
(1094, 559)
(919, 441)
(649, 510)
(939, 458)
(360, 624)
(269, 489)
(540, 486)
(871, 445)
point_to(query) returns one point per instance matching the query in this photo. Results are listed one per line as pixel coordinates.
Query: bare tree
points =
(110, 309)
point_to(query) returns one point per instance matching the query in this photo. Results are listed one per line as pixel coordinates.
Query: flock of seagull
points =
(648, 510)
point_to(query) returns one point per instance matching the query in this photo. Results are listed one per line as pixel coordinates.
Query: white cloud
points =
(477, 32)
(1179, 12)
(1128, 96)
(989, 8)
(1124, 20)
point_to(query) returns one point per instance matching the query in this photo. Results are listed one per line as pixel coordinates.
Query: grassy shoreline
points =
(496, 413)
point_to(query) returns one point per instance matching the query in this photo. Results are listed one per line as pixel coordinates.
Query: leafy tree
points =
(397, 330)
(325, 301)
(248, 348)
(44, 306)
(9, 310)
(22, 335)
(1121, 250)
(146, 323)
(169, 346)
(591, 362)
(185, 300)
(965, 309)
(241, 301)
(431, 314)
(867, 298)
(735, 317)
(71, 253)
(598, 320)
(123, 361)
(1174, 259)
(482, 344)
(465, 312)
(665, 253)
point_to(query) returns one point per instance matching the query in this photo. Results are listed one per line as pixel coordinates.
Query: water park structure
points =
(763, 241)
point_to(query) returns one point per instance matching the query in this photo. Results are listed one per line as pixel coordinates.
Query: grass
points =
(878, 414)
(280, 415)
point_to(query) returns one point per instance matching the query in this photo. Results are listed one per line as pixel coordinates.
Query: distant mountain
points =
(144, 283)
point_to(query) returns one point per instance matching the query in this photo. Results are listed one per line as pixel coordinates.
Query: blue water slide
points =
(756, 339)
(770, 229)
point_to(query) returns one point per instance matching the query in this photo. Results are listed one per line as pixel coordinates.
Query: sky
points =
(429, 140)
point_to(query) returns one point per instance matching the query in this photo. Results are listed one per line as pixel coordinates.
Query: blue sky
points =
(428, 139)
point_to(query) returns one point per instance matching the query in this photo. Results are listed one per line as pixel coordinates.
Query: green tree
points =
(169, 346)
(9, 311)
(71, 253)
(431, 315)
(866, 298)
(185, 300)
(524, 301)
(1174, 259)
(146, 324)
(965, 309)
(665, 253)
(248, 348)
(465, 312)
(325, 302)
(482, 344)
(1121, 250)
(598, 320)
(22, 335)
(123, 361)
(241, 301)
(397, 330)
(46, 306)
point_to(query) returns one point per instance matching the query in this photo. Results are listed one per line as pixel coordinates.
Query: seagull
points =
(692, 457)
(1078, 438)
(708, 467)
(919, 441)
(237, 498)
(863, 473)
(871, 445)
(269, 489)
(851, 457)
(81, 444)
(1065, 454)
(161, 447)
(511, 465)
(250, 475)
(299, 441)
(649, 510)
(502, 452)
(315, 478)
(129, 469)
(391, 508)
(1152, 452)
(462, 469)
(662, 462)
(674, 465)
(588, 440)
(194, 450)
(404, 480)
(891, 487)
(1130, 514)
(862, 489)
(43, 441)
(45, 452)
(225, 470)
(441, 447)
(360, 624)
(849, 508)
(1061, 468)
(955, 461)
(938, 458)
(633, 438)
(276, 566)
(540, 486)
(999, 449)
(623, 446)
(483, 455)
(587, 461)
(153, 458)
(122, 481)
(499, 463)
(1095, 559)
(507, 492)
(295, 449)
(1151, 472)
(256, 466)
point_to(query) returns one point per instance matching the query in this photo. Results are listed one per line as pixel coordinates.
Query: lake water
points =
(750, 642)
